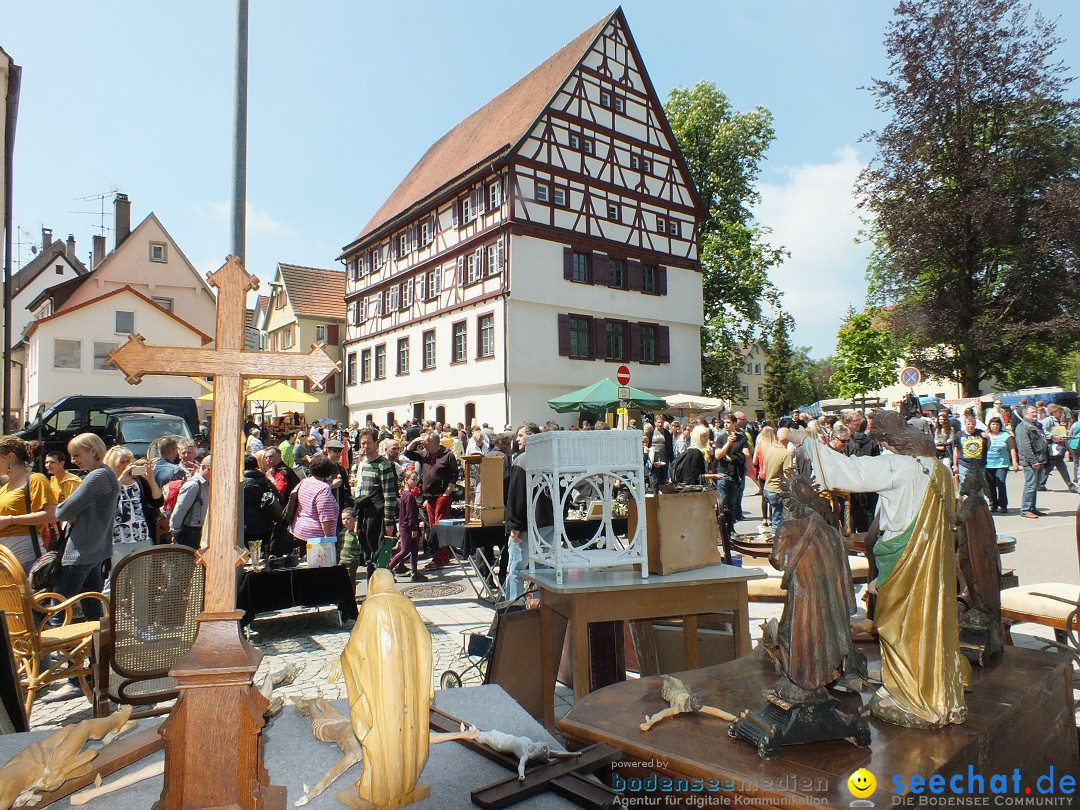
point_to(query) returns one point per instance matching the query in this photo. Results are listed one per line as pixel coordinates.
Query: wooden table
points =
(1020, 715)
(615, 594)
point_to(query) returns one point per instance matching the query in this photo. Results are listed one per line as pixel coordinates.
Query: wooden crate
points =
(484, 504)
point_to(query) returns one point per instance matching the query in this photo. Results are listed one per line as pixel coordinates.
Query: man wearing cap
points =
(339, 481)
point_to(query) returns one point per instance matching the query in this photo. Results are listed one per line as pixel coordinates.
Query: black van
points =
(71, 416)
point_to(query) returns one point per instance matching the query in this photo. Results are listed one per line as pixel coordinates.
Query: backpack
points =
(170, 492)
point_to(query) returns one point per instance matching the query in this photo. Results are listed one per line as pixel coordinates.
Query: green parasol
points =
(603, 396)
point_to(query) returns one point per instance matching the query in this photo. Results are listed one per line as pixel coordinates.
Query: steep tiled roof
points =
(33, 269)
(488, 132)
(314, 292)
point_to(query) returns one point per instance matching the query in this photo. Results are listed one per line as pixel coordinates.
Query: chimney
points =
(99, 251)
(46, 239)
(122, 209)
(71, 246)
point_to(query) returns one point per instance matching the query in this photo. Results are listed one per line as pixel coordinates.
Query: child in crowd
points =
(351, 555)
(409, 523)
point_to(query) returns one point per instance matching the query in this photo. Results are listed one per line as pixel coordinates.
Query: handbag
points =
(45, 572)
(288, 514)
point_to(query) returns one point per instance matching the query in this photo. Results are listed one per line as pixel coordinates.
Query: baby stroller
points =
(477, 649)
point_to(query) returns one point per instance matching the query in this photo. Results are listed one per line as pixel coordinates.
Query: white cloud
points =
(813, 215)
(258, 222)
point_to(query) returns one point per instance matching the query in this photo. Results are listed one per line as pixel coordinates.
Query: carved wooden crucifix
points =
(213, 752)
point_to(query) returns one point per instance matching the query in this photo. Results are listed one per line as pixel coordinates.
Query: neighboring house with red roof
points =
(66, 351)
(56, 263)
(76, 322)
(547, 239)
(306, 305)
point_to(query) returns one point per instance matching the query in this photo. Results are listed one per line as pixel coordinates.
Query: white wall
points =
(46, 384)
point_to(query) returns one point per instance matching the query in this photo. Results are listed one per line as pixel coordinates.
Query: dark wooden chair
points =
(156, 594)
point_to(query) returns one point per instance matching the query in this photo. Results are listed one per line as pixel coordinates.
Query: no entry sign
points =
(623, 375)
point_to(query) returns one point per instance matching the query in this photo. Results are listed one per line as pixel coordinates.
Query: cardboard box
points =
(682, 531)
(484, 491)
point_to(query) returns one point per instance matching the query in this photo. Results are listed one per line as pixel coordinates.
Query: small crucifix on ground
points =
(213, 752)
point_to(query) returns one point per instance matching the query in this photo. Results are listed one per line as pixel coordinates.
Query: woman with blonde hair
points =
(26, 500)
(139, 504)
(764, 441)
(91, 512)
(691, 464)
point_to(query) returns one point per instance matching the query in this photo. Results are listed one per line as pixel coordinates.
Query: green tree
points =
(974, 192)
(723, 149)
(866, 355)
(778, 370)
(818, 374)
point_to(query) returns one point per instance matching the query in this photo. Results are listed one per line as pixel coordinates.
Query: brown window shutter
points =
(634, 349)
(633, 274)
(455, 213)
(564, 335)
(661, 281)
(331, 385)
(599, 331)
(568, 263)
(332, 334)
(307, 386)
(600, 272)
(663, 345)
(460, 271)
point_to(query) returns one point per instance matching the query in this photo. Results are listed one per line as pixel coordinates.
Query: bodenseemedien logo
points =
(862, 785)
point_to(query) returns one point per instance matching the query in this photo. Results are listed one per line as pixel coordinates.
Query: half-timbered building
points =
(544, 241)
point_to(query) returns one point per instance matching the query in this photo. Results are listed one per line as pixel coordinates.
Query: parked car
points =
(70, 416)
(138, 428)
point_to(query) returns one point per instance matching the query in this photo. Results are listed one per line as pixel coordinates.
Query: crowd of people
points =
(374, 490)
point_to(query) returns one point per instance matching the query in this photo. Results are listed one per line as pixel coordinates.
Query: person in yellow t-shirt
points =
(63, 482)
(16, 456)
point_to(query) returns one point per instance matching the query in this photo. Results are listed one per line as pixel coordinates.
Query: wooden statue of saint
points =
(978, 574)
(922, 669)
(814, 634)
(387, 668)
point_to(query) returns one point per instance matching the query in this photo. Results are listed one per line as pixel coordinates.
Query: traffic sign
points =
(623, 375)
(624, 393)
(910, 377)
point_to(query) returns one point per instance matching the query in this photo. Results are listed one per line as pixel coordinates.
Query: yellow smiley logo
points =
(861, 783)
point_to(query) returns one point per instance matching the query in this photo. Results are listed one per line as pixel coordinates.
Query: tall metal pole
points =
(239, 178)
(12, 107)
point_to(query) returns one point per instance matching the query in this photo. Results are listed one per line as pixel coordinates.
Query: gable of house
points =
(149, 260)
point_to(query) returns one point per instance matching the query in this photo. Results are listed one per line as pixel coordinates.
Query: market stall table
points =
(279, 589)
(614, 595)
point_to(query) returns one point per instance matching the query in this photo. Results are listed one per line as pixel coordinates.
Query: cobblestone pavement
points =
(314, 640)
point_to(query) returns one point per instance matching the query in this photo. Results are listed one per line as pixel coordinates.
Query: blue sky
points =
(344, 98)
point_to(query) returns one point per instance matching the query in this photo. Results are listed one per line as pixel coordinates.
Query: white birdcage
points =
(590, 466)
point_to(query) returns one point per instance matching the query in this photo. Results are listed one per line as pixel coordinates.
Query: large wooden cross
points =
(213, 750)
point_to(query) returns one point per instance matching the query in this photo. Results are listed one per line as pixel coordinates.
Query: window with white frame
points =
(434, 283)
(101, 354)
(614, 212)
(365, 366)
(587, 146)
(493, 259)
(403, 244)
(495, 196)
(159, 252)
(749, 368)
(746, 392)
(605, 98)
(165, 303)
(376, 257)
(635, 162)
(67, 353)
(380, 362)
(560, 196)
(406, 295)
(581, 268)
(320, 333)
(472, 269)
(485, 326)
(541, 192)
(402, 356)
(467, 213)
(673, 227)
(620, 104)
(461, 342)
(350, 369)
(288, 336)
(125, 322)
(429, 349)
(375, 306)
(661, 225)
(362, 310)
(393, 298)
(425, 233)
(575, 140)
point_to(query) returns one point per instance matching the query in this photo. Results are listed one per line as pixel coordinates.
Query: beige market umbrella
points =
(269, 391)
(694, 403)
